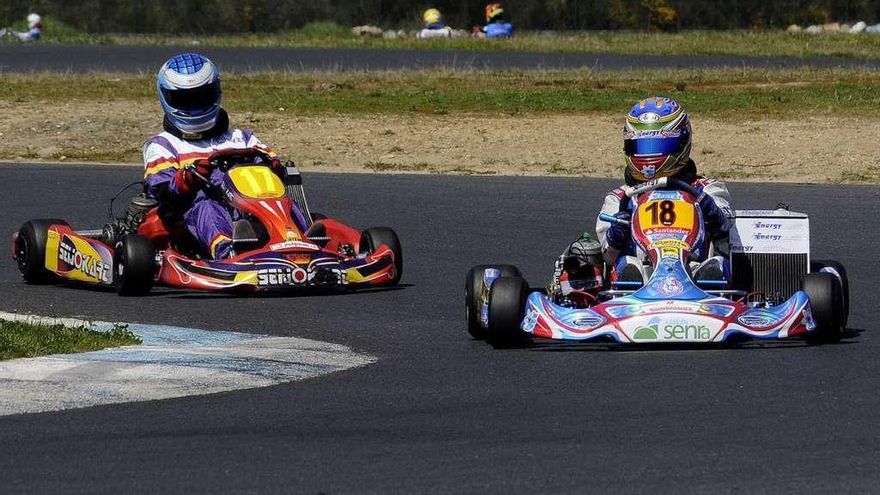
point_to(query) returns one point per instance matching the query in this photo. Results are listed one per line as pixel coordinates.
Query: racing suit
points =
(165, 157)
(576, 269)
(498, 29)
(434, 31)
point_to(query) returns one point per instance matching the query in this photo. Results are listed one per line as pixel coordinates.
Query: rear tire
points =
(506, 310)
(374, 237)
(30, 250)
(473, 289)
(826, 302)
(816, 266)
(134, 266)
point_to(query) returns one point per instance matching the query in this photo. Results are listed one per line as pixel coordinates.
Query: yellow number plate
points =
(257, 182)
(666, 213)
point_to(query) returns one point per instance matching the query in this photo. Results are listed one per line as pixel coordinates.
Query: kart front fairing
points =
(297, 265)
(651, 316)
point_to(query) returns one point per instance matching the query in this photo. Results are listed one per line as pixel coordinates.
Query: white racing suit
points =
(165, 157)
(575, 270)
(435, 31)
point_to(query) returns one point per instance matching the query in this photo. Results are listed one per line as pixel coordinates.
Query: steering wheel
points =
(661, 183)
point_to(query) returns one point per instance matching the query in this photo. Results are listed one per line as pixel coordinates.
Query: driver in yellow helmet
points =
(433, 26)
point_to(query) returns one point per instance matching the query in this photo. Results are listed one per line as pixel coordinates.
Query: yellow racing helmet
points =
(432, 16)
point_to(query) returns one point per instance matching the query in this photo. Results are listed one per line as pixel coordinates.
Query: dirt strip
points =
(817, 149)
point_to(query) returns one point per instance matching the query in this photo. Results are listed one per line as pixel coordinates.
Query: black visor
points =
(193, 99)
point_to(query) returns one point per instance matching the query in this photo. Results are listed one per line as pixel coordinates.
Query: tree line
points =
(241, 16)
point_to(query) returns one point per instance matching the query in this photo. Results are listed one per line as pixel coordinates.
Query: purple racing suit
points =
(210, 222)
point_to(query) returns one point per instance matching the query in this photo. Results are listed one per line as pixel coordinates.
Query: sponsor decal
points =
(84, 263)
(767, 237)
(646, 333)
(769, 226)
(649, 118)
(672, 245)
(670, 287)
(758, 320)
(529, 322)
(686, 332)
(649, 171)
(294, 245)
(588, 321)
(672, 331)
(280, 277)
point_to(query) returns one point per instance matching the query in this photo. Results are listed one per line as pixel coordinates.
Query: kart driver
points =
(657, 143)
(497, 25)
(35, 29)
(434, 27)
(175, 161)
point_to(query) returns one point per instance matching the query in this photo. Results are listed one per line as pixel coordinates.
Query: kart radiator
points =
(771, 274)
(293, 184)
(770, 251)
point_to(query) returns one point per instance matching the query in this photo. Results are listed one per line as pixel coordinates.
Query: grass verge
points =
(696, 42)
(735, 92)
(25, 339)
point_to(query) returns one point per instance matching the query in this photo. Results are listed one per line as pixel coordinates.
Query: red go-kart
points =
(270, 251)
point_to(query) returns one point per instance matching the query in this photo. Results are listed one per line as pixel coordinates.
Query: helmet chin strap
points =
(220, 127)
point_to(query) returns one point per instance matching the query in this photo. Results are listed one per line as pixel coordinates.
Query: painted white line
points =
(171, 362)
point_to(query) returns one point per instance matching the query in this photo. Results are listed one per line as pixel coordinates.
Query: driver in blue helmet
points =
(175, 161)
(656, 144)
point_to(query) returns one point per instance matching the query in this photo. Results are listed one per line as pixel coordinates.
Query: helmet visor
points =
(651, 146)
(193, 99)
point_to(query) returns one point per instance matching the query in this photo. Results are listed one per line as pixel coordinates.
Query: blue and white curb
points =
(171, 362)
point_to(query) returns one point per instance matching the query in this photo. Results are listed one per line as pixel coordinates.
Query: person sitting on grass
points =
(434, 27)
(497, 25)
(35, 29)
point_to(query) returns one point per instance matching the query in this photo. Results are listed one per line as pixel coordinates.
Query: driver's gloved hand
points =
(619, 236)
(194, 176)
(713, 216)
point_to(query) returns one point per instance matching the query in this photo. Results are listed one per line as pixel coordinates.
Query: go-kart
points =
(151, 246)
(775, 291)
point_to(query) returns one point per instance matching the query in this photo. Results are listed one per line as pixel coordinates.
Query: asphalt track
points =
(145, 59)
(439, 413)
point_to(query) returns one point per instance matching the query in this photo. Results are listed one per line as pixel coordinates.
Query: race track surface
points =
(439, 413)
(137, 59)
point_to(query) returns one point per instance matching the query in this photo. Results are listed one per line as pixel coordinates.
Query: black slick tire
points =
(374, 237)
(506, 310)
(816, 266)
(473, 291)
(30, 250)
(826, 302)
(134, 266)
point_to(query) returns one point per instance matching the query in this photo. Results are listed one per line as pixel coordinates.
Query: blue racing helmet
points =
(189, 91)
(656, 139)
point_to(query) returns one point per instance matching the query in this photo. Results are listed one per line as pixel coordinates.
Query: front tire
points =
(473, 291)
(134, 266)
(826, 303)
(373, 238)
(820, 266)
(507, 302)
(30, 250)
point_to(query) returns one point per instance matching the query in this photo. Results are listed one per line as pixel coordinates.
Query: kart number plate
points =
(666, 213)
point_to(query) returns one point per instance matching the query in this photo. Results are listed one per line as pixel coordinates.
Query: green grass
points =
(330, 35)
(737, 93)
(22, 339)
